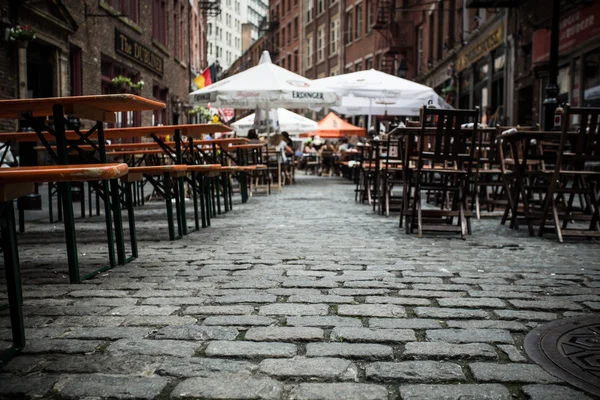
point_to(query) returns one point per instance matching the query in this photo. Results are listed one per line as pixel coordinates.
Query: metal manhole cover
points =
(569, 349)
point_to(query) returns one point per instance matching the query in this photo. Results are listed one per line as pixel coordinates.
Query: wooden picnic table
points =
(19, 181)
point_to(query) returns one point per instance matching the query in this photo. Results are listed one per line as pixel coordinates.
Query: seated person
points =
(327, 153)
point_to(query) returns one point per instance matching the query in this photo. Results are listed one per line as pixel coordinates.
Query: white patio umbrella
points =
(374, 92)
(279, 119)
(265, 86)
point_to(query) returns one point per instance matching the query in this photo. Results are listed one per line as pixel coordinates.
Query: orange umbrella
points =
(333, 127)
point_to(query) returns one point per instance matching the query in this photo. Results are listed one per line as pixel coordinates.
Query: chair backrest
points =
(580, 144)
(449, 141)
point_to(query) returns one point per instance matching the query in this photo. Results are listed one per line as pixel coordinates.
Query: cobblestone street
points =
(301, 295)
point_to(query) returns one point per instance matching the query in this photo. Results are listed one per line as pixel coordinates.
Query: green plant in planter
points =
(138, 85)
(201, 111)
(121, 80)
(20, 32)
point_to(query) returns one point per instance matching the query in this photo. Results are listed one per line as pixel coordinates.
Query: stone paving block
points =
(251, 284)
(526, 315)
(525, 373)
(422, 280)
(448, 313)
(455, 392)
(284, 334)
(309, 283)
(175, 348)
(111, 386)
(164, 293)
(405, 301)
(218, 310)
(108, 333)
(471, 303)
(375, 284)
(408, 323)
(513, 326)
(372, 310)
(439, 274)
(503, 295)
(294, 309)
(339, 391)
(510, 288)
(204, 367)
(239, 320)
(144, 310)
(248, 298)
(159, 320)
(98, 293)
(318, 274)
(229, 387)
(317, 367)
(449, 350)
(105, 301)
(88, 321)
(443, 287)
(250, 349)
(179, 301)
(553, 392)
(593, 305)
(62, 346)
(415, 371)
(322, 298)
(33, 386)
(476, 281)
(358, 292)
(139, 365)
(303, 292)
(430, 293)
(349, 350)
(65, 311)
(196, 332)
(513, 353)
(344, 334)
(545, 304)
(325, 321)
(470, 335)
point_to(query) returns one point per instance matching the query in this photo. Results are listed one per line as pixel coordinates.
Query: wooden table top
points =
(98, 108)
(62, 173)
(133, 132)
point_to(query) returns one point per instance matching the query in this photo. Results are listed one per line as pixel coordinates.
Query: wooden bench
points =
(20, 181)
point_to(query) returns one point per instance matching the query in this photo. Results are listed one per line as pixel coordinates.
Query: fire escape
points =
(210, 8)
(396, 33)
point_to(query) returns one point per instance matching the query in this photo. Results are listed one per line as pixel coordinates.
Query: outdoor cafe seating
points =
(451, 169)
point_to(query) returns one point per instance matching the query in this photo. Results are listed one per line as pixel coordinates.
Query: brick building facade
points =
(323, 52)
(82, 45)
(286, 27)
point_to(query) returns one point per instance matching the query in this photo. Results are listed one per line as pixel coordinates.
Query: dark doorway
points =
(40, 70)
(524, 106)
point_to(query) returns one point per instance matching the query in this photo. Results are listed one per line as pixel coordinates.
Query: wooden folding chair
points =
(575, 176)
(444, 166)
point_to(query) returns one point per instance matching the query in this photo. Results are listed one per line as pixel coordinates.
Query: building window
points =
(369, 10)
(309, 10)
(358, 66)
(159, 21)
(430, 50)
(289, 32)
(210, 28)
(296, 68)
(282, 63)
(334, 36)
(127, 8)
(282, 36)
(349, 26)
(289, 61)
(368, 64)
(309, 45)
(108, 70)
(295, 27)
(440, 31)
(75, 67)
(321, 43)
(160, 116)
(320, 6)
(176, 42)
(359, 17)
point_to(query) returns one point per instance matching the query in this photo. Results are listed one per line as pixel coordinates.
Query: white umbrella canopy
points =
(376, 93)
(280, 119)
(265, 86)
(352, 105)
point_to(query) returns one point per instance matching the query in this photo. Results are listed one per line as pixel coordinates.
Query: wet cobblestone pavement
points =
(300, 295)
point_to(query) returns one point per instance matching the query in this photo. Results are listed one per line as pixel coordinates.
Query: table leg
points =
(13, 276)
(131, 218)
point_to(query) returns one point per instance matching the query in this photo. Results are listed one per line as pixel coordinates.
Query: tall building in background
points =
(322, 45)
(286, 31)
(225, 29)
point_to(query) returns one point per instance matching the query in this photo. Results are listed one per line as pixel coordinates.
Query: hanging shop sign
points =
(480, 47)
(575, 28)
(131, 49)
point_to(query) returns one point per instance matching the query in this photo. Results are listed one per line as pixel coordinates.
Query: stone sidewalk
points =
(300, 295)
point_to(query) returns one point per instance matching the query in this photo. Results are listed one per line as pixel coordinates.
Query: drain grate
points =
(569, 349)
